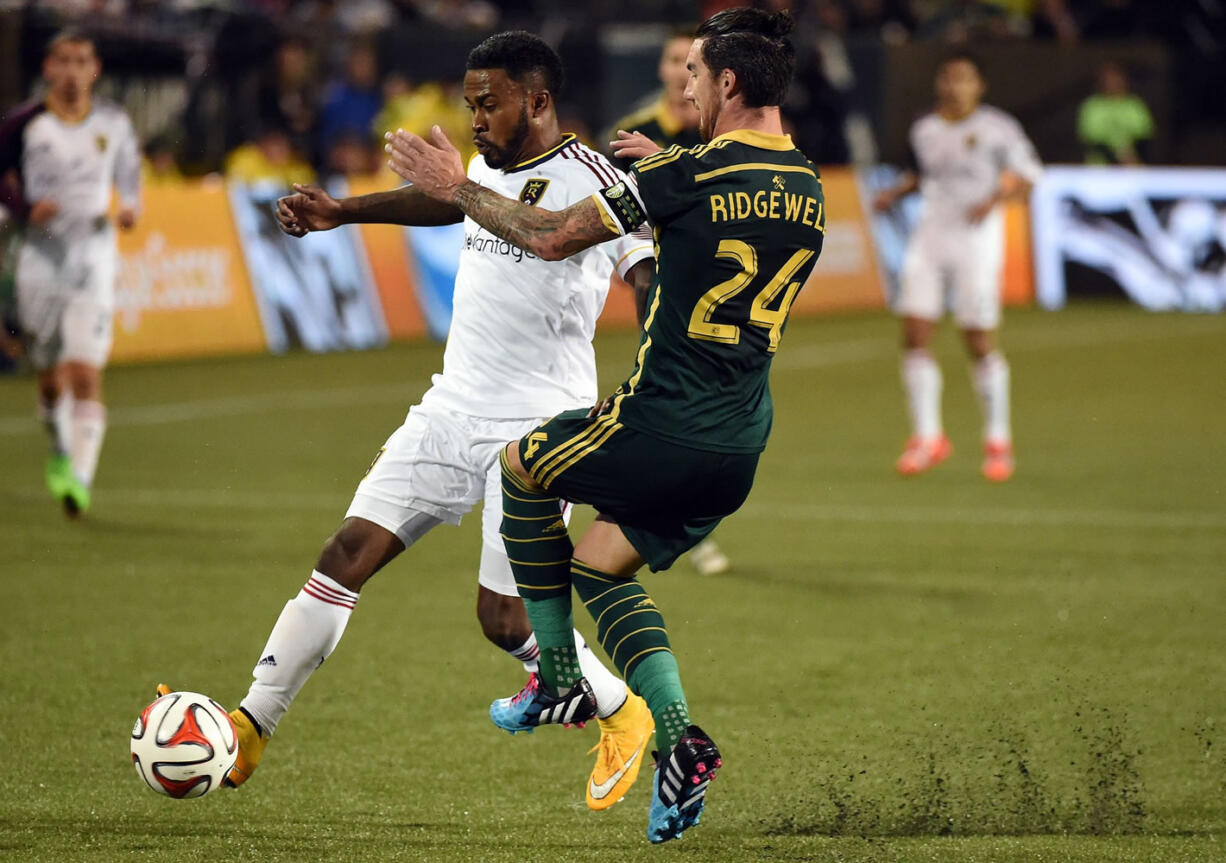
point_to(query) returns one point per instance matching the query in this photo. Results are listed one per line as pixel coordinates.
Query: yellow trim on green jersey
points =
(755, 166)
(761, 140)
(638, 372)
(589, 448)
(538, 470)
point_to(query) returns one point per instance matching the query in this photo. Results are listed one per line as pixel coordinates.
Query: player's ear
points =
(728, 83)
(540, 102)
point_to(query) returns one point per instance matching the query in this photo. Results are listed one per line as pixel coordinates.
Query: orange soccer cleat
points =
(920, 455)
(997, 460)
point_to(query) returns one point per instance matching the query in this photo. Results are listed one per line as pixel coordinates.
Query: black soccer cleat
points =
(679, 791)
(533, 706)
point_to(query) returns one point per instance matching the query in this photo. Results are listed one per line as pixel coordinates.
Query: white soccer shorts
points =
(433, 470)
(965, 261)
(66, 306)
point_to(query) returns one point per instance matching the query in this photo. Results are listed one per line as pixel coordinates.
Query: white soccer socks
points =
(991, 379)
(306, 633)
(85, 432)
(608, 688)
(57, 420)
(921, 378)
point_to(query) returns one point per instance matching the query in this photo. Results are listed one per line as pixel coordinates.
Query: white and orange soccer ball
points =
(184, 744)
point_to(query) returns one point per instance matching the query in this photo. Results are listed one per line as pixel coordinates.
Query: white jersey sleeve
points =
(520, 343)
(127, 163)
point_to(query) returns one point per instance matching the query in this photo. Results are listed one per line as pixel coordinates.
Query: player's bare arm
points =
(887, 198)
(1013, 187)
(633, 145)
(640, 277)
(434, 168)
(310, 208)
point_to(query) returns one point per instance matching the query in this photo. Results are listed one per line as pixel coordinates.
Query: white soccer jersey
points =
(960, 163)
(76, 165)
(520, 343)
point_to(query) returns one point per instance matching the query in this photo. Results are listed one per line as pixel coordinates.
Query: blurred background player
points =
(519, 350)
(69, 150)
(968, 159)
(668, 118)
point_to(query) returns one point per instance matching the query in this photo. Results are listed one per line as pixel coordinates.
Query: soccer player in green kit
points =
(738, 225)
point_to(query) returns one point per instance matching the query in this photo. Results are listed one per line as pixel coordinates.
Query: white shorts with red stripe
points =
(433, 470)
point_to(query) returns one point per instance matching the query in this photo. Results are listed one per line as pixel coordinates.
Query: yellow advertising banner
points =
(183, 288)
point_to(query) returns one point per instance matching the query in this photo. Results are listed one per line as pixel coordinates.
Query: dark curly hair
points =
(522, 55)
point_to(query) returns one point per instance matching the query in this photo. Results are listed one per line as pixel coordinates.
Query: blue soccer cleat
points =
(679, 789)
(533, 706)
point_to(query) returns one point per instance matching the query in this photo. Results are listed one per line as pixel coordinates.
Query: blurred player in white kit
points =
(968, 159)
(68, 151)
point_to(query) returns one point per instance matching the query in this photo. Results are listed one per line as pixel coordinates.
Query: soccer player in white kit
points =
(519, 350)
(69, 151)
(969, 158)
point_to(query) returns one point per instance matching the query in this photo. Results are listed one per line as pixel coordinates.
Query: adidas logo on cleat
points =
(267, 660)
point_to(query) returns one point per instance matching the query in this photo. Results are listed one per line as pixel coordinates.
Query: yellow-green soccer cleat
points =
(620, 752)
(75, 497)
(251, 743)
(58, 474)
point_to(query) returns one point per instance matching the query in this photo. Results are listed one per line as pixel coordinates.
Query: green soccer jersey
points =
(738, 225)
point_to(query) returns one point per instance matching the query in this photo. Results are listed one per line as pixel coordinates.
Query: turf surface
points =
(925, 669)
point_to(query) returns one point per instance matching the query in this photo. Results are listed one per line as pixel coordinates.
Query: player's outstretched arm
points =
(434, 168)
(310, 208)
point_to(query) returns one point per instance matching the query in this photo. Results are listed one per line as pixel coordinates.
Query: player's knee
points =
(352, 555)
(504, 622)
(84, 381)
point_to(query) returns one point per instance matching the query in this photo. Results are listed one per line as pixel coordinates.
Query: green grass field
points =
(897, 670)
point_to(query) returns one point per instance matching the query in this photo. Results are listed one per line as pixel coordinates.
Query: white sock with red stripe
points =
(305, 635)
(86, 430)
(608, 688)
(528, 653)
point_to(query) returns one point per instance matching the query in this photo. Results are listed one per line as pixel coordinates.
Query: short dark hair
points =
(961, 55)
(70, 34)
(522, 55)
(752, 43)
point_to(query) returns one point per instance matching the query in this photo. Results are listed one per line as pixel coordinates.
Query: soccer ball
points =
(184, 744)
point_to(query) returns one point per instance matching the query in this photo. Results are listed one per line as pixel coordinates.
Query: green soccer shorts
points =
(666, 498)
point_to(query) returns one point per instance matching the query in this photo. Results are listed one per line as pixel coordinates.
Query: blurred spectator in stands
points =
(665, 115)
(816, 106)
(269, 158)
(959, 21)
(284, 97)
(459, 14)
(416, 109)
(1114, 124)
(889, 20)
(160, 165)
(1113, 19)
(352, 155)
(351, 103)
(1052, 19)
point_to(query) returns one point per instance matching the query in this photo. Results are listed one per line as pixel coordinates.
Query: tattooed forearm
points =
(548, 234)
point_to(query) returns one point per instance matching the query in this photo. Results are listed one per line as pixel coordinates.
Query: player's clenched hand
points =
(602, 408)
(309, 209)
(433, 166)
(126, 218)
(42, 212)
(633, 145)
